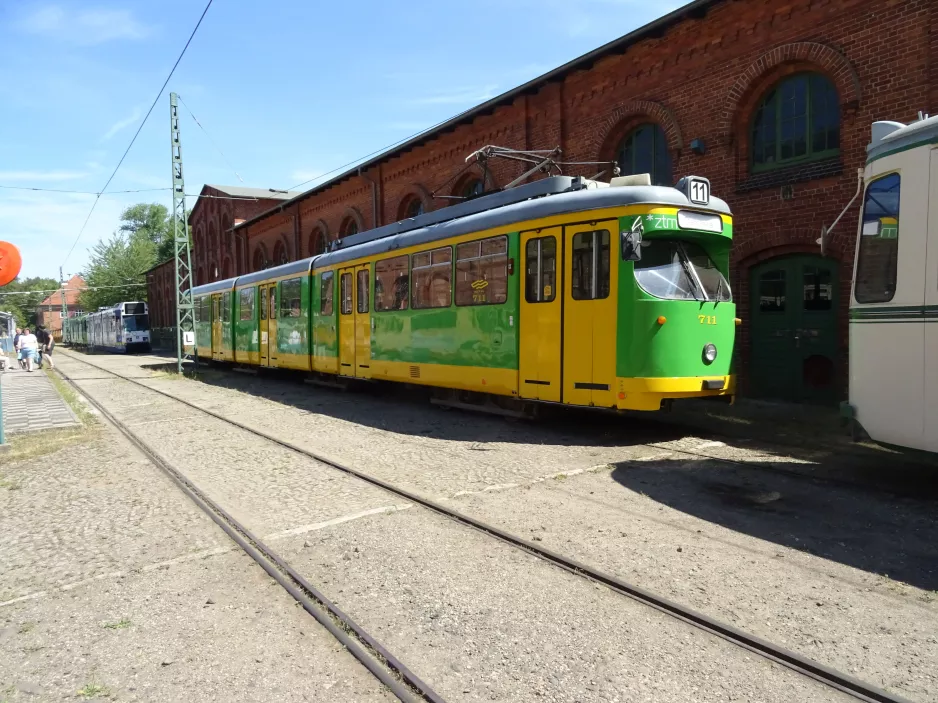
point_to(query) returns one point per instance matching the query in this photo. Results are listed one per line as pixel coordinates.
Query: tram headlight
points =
(709, 353)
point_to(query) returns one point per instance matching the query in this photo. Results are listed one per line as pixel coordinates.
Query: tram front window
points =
(136, 323)
(675, 270)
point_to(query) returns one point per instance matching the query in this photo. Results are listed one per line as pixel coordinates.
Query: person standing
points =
(29, 345)
(41, 336)
(50, 345)
(16, 347)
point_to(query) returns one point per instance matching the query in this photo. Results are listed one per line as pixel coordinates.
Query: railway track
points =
(383, 664)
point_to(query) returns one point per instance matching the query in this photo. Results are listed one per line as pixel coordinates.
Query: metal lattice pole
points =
(185, 310)
(64, 303)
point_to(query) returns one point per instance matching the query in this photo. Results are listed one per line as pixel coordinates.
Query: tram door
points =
(216, 326)
(347, 322)
(589, 313)
(362, 322)
(541, 303)
(268, 324)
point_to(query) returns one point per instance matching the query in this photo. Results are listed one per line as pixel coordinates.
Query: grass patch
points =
(36, 444)
(93, 690)
(26, 627)
(119, 625)
(561, 477)
(167, 375)
(81, 410)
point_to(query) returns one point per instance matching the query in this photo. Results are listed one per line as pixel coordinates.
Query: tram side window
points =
(326, 290)
(226, 307)
(362, 293)
(590, 279)
(246, 299)
(290, 297)
(345, 294)
(877, 258)
(482, 272)
(432, 276)
(540, 282)
(263, 304)
(391, 284)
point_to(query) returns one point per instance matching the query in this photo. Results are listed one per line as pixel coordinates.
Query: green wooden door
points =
(794, 330)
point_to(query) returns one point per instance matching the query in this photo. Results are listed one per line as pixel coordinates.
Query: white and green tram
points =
(894, 303)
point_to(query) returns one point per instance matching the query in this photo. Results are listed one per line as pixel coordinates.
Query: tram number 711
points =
(707, 319)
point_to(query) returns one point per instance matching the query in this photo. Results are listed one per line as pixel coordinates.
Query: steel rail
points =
(387, 668)
(781, 655)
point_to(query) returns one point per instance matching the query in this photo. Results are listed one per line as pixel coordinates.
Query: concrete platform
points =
(31, 403)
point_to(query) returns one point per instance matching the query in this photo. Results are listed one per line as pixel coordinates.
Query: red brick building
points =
(216, 252)
(772, 100)
(49, 311)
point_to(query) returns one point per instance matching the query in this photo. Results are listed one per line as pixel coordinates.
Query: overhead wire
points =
(211, 140)
(68, 290)
(82, 192)
(384, 148)
(136, 134)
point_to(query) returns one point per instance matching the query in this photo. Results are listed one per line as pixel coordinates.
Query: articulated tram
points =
(894, 305)
(565, 290)
(123, 327)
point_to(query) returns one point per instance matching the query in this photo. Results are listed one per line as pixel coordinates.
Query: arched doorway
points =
(794, 346)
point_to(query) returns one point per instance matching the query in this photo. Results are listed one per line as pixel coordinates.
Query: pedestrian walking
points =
(16, 347)
(46, 344)
(29, 345)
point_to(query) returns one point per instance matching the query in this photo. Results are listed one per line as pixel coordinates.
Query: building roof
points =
(692, 10)
(241, 192)
(73, 288)
(269, 193)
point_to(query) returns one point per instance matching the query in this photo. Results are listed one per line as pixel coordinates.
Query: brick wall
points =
(699, 79)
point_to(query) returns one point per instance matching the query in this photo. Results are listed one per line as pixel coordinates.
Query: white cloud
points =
(46, 176)
(459, 96)
(121, 124)
(83, 27)
(44, 240)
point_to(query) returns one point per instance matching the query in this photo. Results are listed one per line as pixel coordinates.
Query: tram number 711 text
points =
(707, 319)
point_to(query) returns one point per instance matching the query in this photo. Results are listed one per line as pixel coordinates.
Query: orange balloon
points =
(10, 262)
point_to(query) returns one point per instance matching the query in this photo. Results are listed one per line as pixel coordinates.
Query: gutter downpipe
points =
(374, 197)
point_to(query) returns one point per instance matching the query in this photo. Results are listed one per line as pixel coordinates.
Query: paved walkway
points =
(31, 403)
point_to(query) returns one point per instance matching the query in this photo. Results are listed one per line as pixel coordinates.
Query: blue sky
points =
(287, 90)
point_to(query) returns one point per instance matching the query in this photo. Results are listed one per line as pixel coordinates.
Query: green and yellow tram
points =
(565, 290)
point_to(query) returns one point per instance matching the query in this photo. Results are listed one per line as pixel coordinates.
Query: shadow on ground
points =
(874, 513)
(890, 536)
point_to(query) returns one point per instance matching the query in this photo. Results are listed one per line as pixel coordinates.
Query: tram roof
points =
(890, 137)
(569, 202)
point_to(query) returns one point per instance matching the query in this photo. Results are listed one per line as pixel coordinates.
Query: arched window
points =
(797, 120)
(645, 150)
(412, 207)
(317, 242)
(349, 227)
(471, 189)
(260, 259)
(281, 256)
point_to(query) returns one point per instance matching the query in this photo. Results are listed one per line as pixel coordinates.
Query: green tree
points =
(152, 221)
(116, 270)
(27, 293)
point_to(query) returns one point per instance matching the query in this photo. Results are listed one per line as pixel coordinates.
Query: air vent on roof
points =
(639, 179)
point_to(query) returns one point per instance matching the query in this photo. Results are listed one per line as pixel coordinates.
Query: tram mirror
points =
(632, 246)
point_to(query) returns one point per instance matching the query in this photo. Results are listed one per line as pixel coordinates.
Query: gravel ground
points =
(487, 622)
(115, 585)
(757, 549)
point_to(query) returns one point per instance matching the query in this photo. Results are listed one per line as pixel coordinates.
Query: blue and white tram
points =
(894, 301)
(124, 327)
